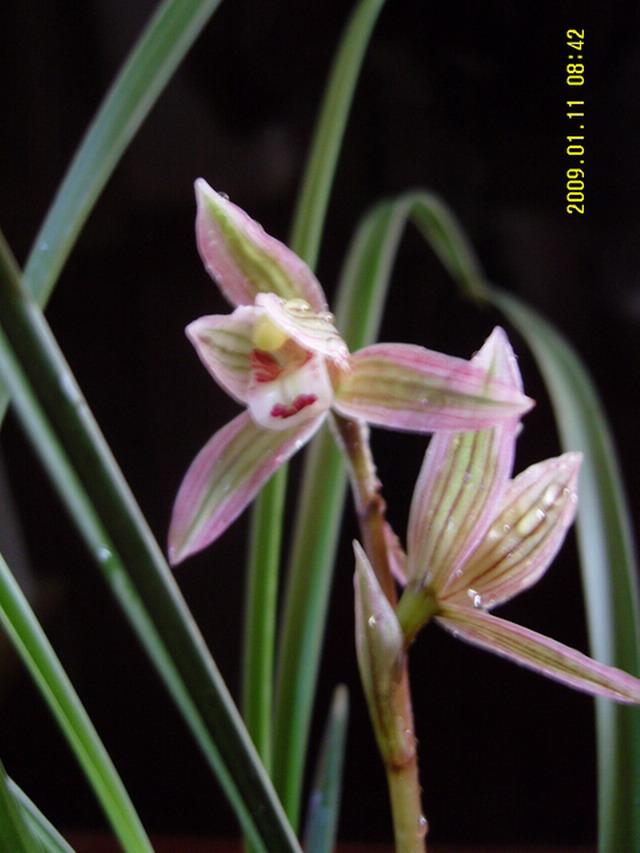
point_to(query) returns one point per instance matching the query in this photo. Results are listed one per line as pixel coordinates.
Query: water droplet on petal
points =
(372, 621)
(225, 196)
(423, 826)
(476, 598)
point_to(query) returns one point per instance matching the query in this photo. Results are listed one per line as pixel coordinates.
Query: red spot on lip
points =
(265, 368)
(301, 402)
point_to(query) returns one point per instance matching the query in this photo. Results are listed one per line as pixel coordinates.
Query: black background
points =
(467, 99)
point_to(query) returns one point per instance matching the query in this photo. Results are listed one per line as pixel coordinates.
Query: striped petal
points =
(224, 344)
(539, 653)
(537, 509)
(244, 260)
(313, 331)
(225, 477)
(407, 387)
(461, 481)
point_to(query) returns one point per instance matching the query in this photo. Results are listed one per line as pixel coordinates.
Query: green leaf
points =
(32, 645)
(321, 165)
(321, 827)
(15, 833)
(50, 839)
(609, 572)
(57, 420)
(154, 59)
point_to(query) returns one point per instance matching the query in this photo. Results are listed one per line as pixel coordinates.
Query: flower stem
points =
(398, 746)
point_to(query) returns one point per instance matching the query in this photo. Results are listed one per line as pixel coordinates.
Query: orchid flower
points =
(279, 354)
(477, 538)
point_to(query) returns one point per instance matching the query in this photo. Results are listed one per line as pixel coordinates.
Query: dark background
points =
(466, 99)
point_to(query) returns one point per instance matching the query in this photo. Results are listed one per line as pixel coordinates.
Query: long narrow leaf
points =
(25, 632)
(158, 52)
(321, 828)
(327, 138)
(609, 573)
(49, 837)
(15, 833)
(151, 64)
(57, 420)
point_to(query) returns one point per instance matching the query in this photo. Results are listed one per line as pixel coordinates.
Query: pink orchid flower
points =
(279, 354)
(477, 538)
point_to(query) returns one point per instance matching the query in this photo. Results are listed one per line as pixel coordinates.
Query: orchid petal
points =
(225, 477)
(539, 653)
(313, 331)
(244, 260)
(461, 482)
(537, 509)
(407, 387)
(224, 344)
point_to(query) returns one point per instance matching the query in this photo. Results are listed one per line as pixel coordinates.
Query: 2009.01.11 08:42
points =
(575, 110)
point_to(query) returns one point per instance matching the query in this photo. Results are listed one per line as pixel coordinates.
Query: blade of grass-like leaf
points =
(264, 558)
(57, 420)
(49, 837)
(162, 46)
(327, 139)
(324, 801)
(261, 605)
(604, 531)
(362, 291)
(158, 52)
(608, 565)
(40, 659)
(15, 833)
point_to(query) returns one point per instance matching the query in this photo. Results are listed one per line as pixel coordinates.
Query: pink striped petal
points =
(313, 331)
(225, 477)
(224, 344)
(461, 482)
(244, 260)
(539, 653)
(407, 387)
(537, 509)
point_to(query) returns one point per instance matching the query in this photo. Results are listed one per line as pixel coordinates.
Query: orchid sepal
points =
(225, 477)
(244, 260)
(408, 387)
(539, 653)
(461, 480)
(537, 509)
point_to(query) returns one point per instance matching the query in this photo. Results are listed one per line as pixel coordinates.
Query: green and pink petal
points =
(244, 260)
(225, 477)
